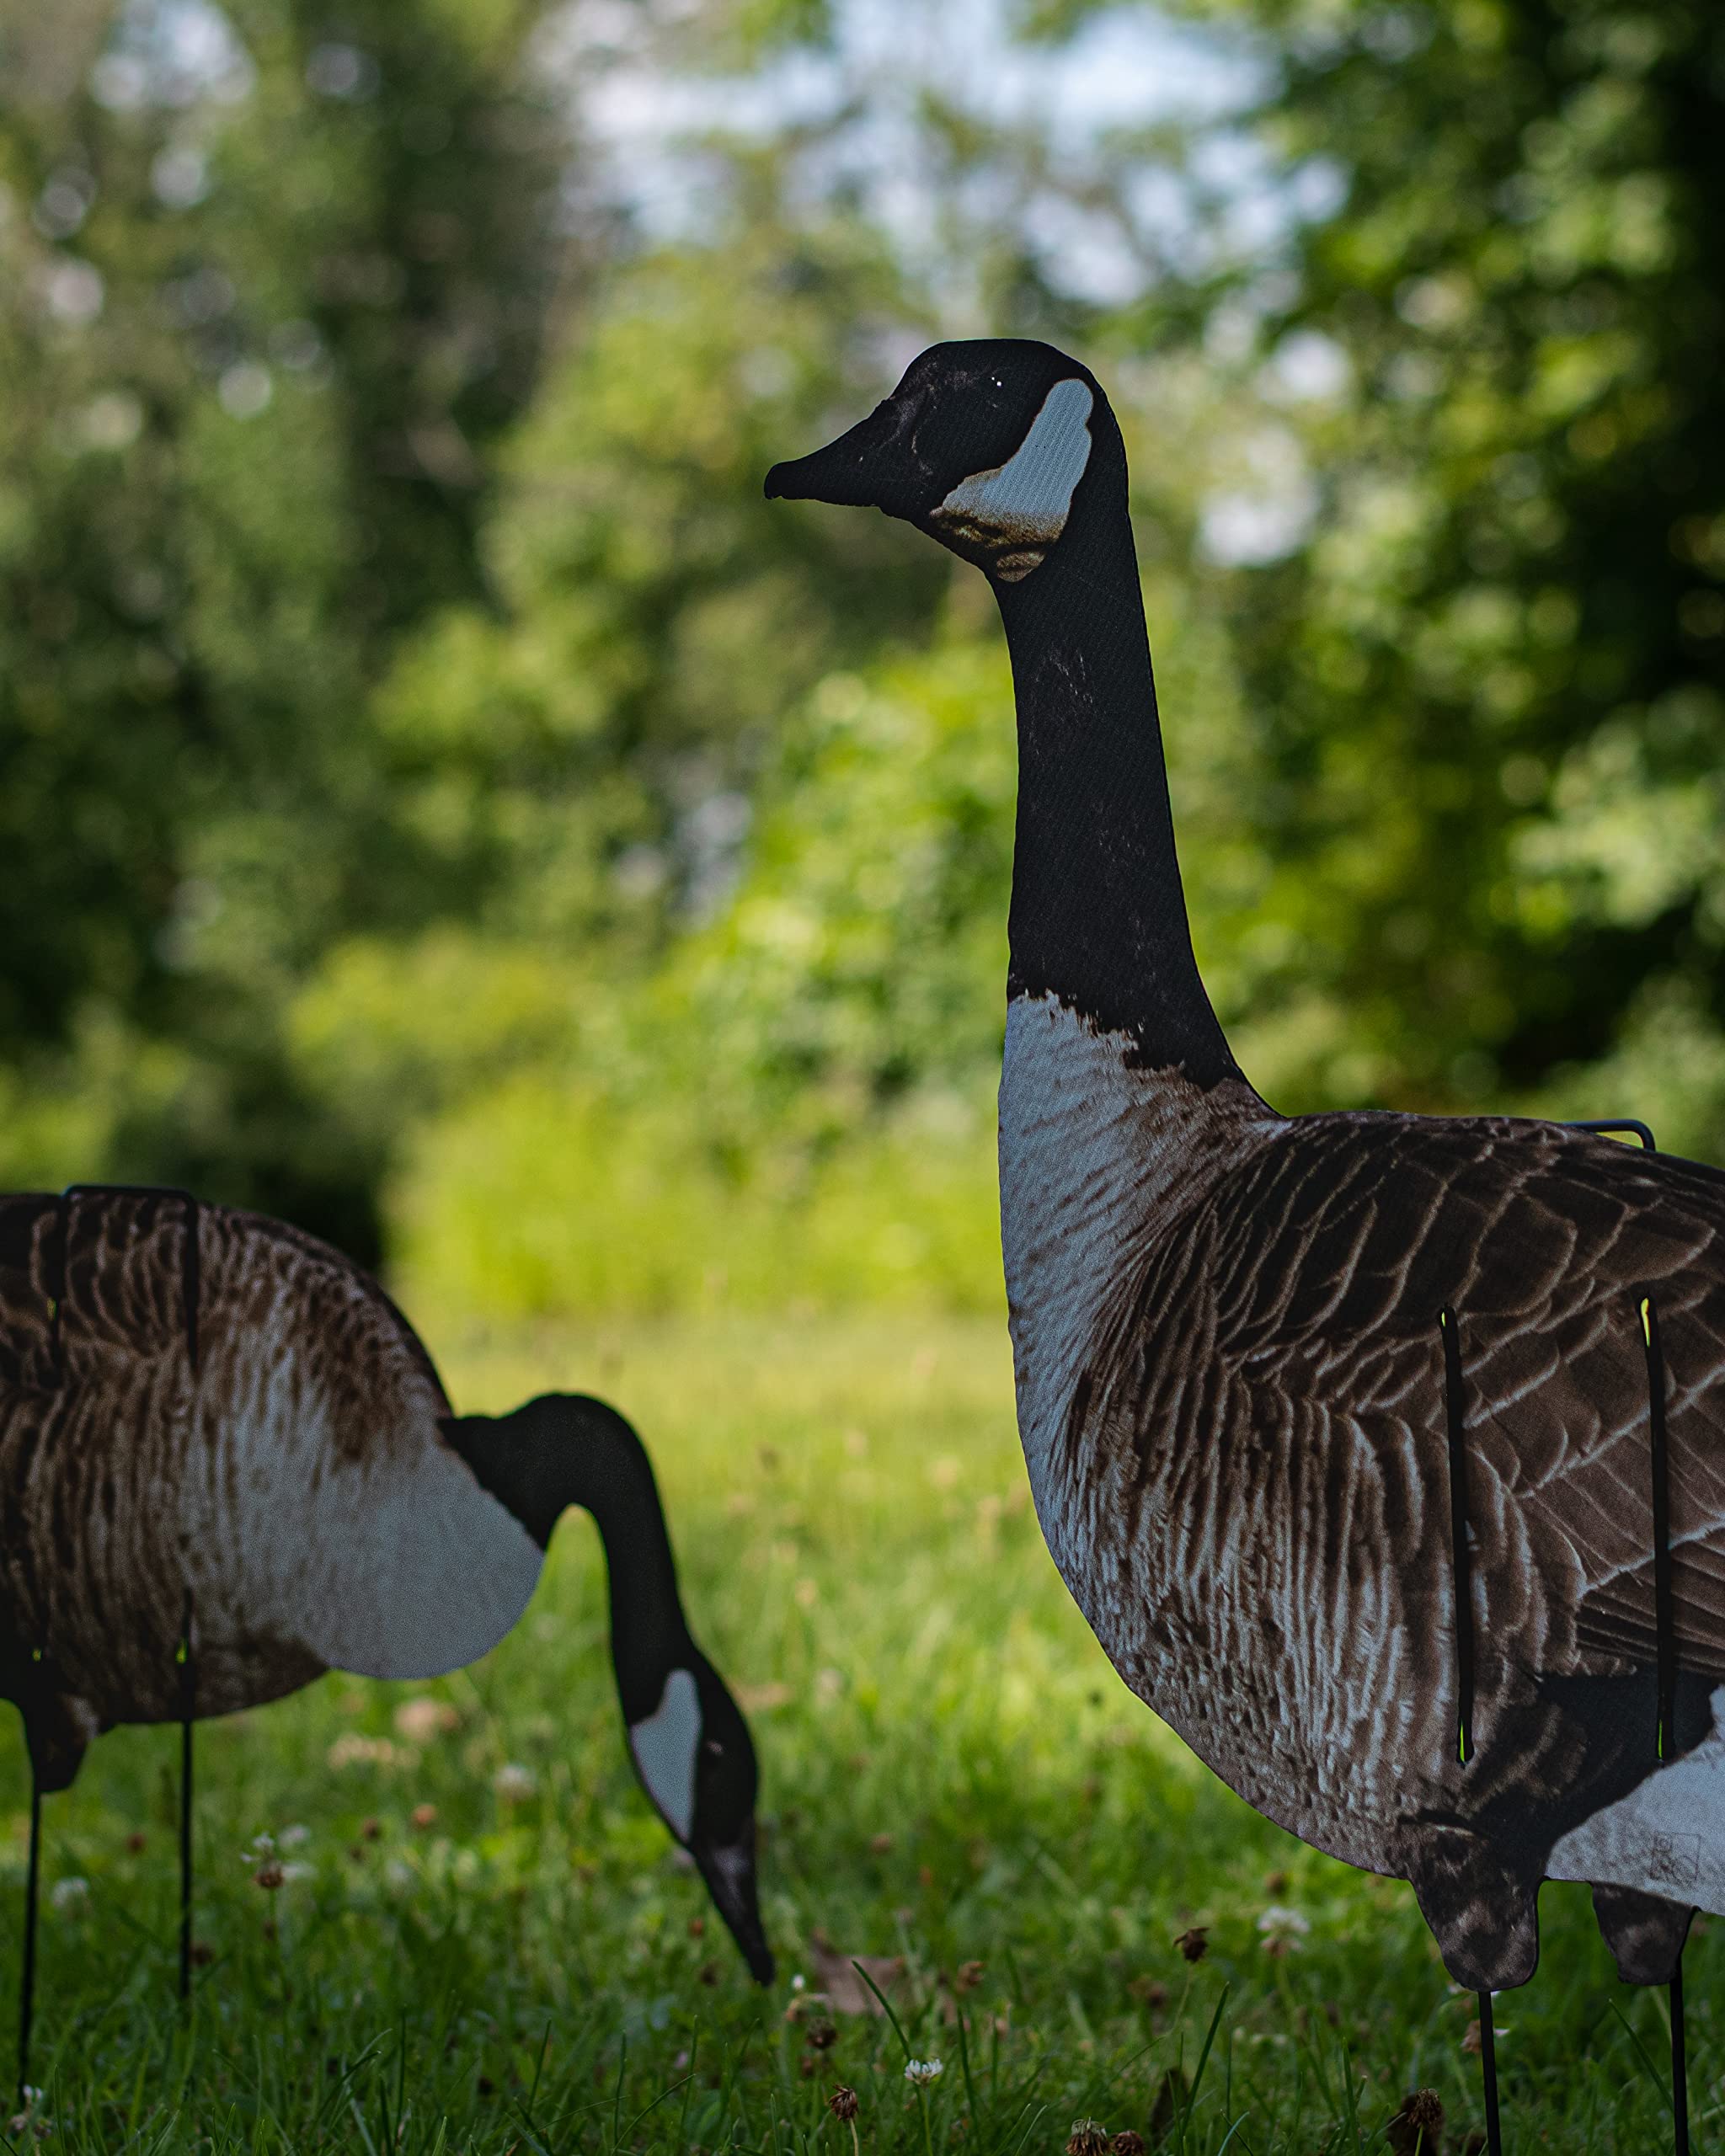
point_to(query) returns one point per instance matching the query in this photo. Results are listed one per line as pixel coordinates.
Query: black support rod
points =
(1665, 1649)
(1665, 1609)
(1489, 2069)
(57, 1257)
(191, 1286)
(1461, 1561)
(188, 1713)
(26, 1978)
(1627, 1126)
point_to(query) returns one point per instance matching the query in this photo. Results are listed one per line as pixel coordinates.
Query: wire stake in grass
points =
(188, 1722)
(964, 2059)
(1461, 1559)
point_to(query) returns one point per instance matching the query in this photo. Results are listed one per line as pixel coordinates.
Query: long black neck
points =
(567, 1449)
(1098, 917)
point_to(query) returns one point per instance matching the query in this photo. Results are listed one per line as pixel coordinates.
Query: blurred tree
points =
(272, 280)
(1454, 481)
(726, 792)
(1484, 634)
(426, 764)
(581, 758)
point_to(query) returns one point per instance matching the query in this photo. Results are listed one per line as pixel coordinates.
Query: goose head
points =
(687, 1738)
(696, 1763)
(986, 445)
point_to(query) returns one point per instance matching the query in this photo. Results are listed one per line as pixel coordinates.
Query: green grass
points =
(951, 1772)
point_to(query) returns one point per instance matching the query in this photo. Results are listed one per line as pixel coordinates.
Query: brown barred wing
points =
(124, 1267)
(27, 1224)
(1314, 1279)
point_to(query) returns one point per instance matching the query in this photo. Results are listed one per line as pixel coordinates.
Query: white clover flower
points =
(1276, 1918)
(351, 1749)
(1283, 1930)
(27, 2120)
(922, 2071)
(296, 1872)
(293, 1838)
(423, 1720)
(513, 1782)
(797, 1984)
(70, 1893)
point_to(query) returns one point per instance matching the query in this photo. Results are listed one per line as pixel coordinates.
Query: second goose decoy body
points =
(1385, 1454)
(227, 1464)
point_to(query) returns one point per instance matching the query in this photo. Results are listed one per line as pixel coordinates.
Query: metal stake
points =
(1488, 2068)
(188, 1710)
(27, 1981)
(1460, 1558)
(1665, 1637)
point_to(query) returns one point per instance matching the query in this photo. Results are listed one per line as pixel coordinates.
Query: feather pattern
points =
(296, 1483)
(1246, 1347)
(1240, 1450)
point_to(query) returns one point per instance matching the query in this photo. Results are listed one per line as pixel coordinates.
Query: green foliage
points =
(838, 1022)
(1490, 672)
(537, 1196)
(658, 618)
(951, 1772)
(442, 802)
(862, 957)
(267, 297)
(448, 805)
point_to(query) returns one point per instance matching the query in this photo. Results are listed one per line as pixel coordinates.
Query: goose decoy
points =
(1385, 1454)
(227, 1464)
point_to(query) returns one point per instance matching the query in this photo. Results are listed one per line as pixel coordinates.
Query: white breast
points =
(1089, 1149)
(438, 1574)
(374, 1550)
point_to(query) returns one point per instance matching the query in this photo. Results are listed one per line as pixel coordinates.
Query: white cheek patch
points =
(1024, 503)
(664, 1746)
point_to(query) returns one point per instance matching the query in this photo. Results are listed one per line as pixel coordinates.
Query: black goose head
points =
(688, 1740)
(986, 445)
(697, 1763)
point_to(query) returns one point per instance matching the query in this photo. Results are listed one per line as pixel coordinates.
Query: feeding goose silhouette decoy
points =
(227, 1464)
(1385, 1454)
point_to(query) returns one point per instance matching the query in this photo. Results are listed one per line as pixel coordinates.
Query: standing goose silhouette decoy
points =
(227, 1464)
(1385, 1454)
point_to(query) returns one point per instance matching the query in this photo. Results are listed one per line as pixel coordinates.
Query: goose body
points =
(298, 1485)
(206, 1415)
(1236, 1393)
(1237, 1444)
